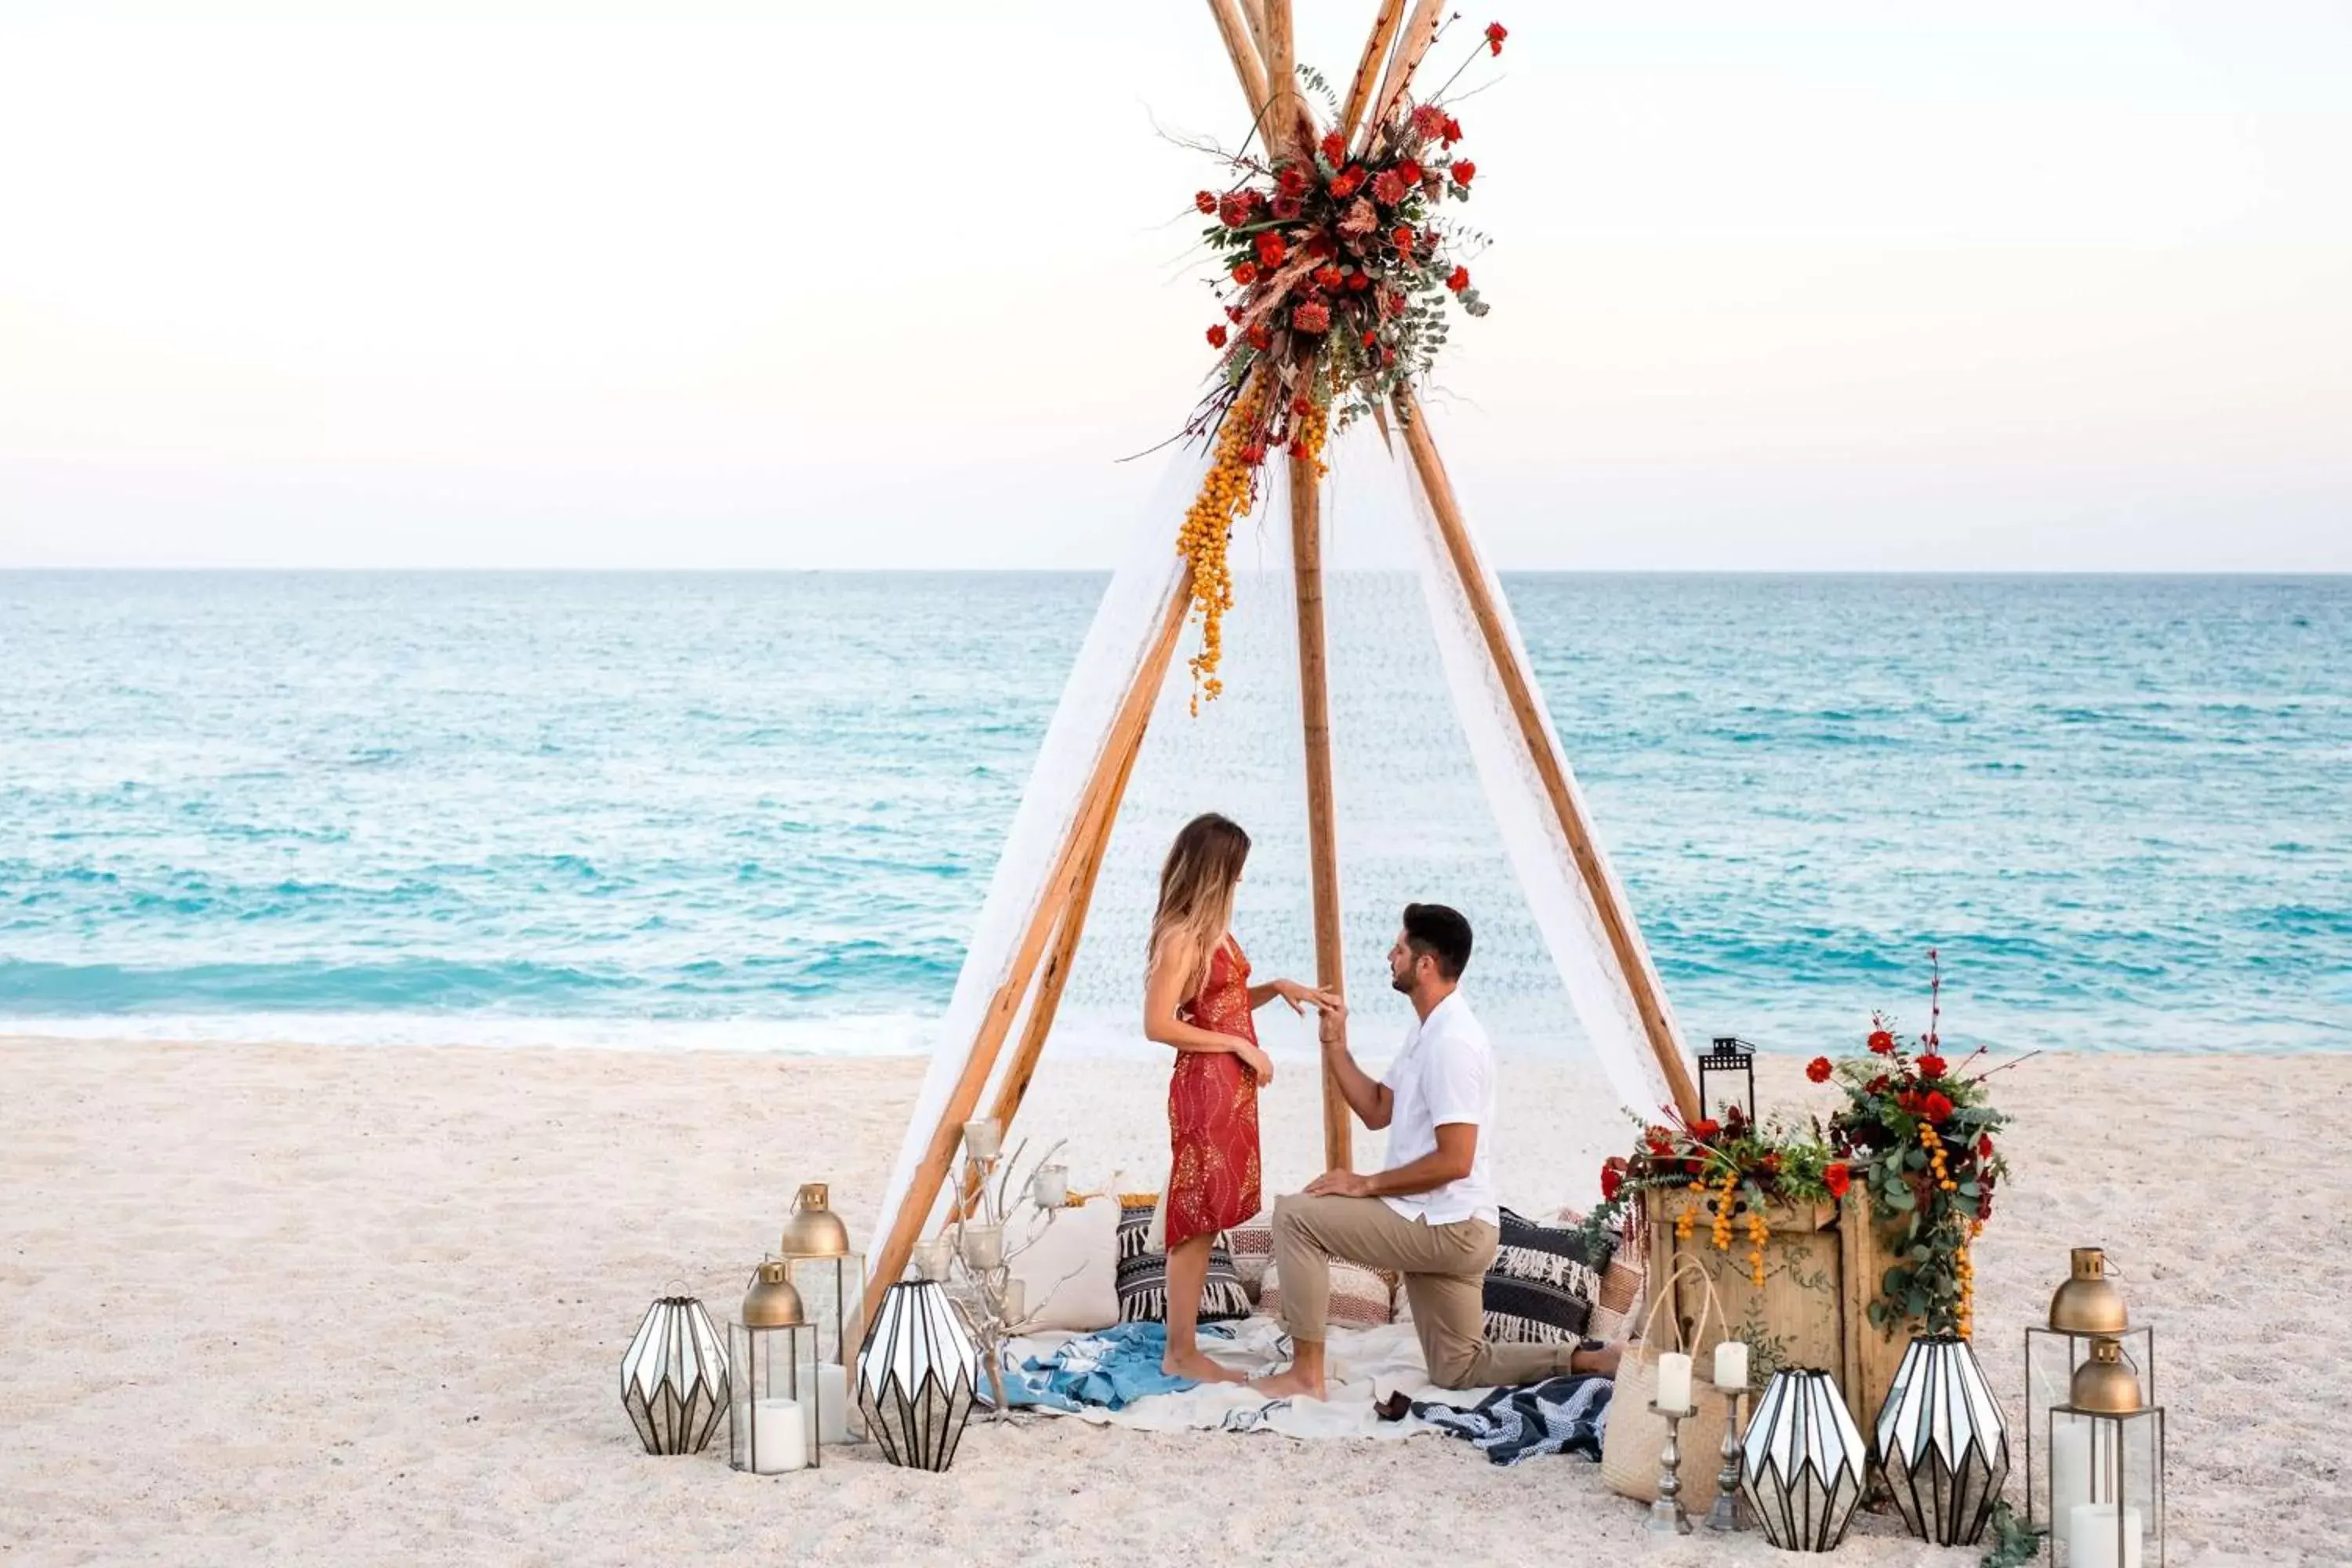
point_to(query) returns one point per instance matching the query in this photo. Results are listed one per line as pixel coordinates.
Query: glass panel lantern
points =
(1731, 1060)
(830, 1276)
(1801, 1463)
(2106, 1468)
(674, 1377)
(918, 1375)
(776, 1414)
(1943, 1446)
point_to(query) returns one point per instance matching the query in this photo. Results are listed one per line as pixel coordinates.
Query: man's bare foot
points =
(1198, 1368)
(1288, 1383)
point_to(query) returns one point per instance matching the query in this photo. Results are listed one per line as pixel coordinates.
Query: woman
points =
(1198, 998)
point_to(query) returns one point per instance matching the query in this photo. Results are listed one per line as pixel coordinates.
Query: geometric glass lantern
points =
(1729, 1055)
(1801, 1464)
(674, 1377)
(1942, 1444)
(916, 1374)
(773, 1418)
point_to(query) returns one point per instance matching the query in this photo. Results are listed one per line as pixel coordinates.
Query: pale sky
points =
(2059, 284)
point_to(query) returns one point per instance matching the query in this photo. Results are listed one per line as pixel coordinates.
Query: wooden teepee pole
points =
(1625, 936)
(1249, 66)
(1322, 830)
(1376, 50)
(1412, 44)
(1071, 869)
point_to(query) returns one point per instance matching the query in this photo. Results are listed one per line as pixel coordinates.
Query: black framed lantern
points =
(918, 1375)
(674, 1381)
(1728, 1055)
(1802, 1462)
(1942, 1444)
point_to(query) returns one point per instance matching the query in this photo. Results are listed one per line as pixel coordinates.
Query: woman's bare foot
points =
(1198, 1368)
(1289, 1383)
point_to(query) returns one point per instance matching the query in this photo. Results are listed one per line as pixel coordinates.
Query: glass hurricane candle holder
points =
(777, 1409)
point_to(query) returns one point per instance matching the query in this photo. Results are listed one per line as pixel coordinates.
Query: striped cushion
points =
(1362, 1298)
(1543, 1283)
(1252, 1244)
(1143, 1275)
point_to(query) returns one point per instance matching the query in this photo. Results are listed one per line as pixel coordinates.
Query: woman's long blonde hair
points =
(1196, 894)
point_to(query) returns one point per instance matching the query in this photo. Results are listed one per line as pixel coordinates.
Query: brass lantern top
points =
(2089, 1303)
(811, 1229)
(772, 1303)
(2104, 1382)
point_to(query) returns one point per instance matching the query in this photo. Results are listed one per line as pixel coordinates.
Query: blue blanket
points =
(1112, 1369)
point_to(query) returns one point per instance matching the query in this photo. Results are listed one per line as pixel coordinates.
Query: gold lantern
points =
(777, 1409)
(2090, 1388)
(2088, 1302)
(831, 1278)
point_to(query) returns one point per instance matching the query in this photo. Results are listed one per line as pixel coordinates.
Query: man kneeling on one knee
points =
(1432, 1214)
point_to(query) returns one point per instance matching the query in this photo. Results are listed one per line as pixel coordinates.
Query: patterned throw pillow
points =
(1252, 1244)
(1362, 1298)
(1143, 1275)
(1543, 1283)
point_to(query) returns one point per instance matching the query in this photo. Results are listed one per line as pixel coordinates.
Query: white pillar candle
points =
(2070, 1475)
(2091, 1537)
(779, 1437)
(1674, 1381)
(828, 1412)
(1731, 1365)
(1050, 1187)
(983, 1140)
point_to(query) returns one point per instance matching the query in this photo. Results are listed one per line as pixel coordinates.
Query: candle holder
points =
(992, 1309)
(2048, 1385)
(774, 1416)
(1726, 1514)
(1667, 1515)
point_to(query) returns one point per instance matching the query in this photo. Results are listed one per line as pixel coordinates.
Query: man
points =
(1432, 1214)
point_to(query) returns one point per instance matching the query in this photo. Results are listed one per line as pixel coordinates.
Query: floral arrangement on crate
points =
(1735, 1167)
(1333, 269)
(1919, 1129)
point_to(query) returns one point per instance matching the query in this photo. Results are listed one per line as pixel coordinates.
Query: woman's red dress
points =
(1213, 1183)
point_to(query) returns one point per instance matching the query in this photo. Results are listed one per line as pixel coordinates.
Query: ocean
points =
(760, 810)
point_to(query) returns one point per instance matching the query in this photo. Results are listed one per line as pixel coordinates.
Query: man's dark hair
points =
(1439, 932)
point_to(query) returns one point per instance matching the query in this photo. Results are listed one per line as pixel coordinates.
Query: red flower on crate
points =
(1932, 1066)
(1837, 1178)
(1882, 1042)
(1818, 1070)
(1935, 1108)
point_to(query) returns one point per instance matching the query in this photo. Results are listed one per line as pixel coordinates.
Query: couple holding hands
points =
(1429, 1215)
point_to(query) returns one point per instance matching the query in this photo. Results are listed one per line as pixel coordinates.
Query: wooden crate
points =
(1822, 1263)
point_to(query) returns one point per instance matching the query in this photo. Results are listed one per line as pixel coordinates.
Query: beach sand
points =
(282, 1303)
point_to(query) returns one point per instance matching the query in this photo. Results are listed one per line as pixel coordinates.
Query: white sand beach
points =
(284, 1303)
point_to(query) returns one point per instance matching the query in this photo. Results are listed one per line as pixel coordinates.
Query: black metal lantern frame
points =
(674, 1381)
(1940, 1443)
(1729, 1054)
(2046, 1388)
(2127, 1470)
(918, 1375)
(1803, 1462)
(772, 1364)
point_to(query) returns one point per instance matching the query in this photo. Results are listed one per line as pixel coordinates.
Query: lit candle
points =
(1731, 1365)
(2070, 1475)
(779, 1437)
(983, 1140)
(2091, 1536)
(1674, 1381)
(828, 1414)
(1050, 1187)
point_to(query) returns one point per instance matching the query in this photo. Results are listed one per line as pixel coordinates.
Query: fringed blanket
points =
(1563, 1415)
(1110, 1370)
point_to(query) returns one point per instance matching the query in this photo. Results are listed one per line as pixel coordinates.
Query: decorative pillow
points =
(1542, 1285)
(1143, 1275)
(1616, 1311)
(1069, 1270)
(1252, 1244)
(1361, 1297)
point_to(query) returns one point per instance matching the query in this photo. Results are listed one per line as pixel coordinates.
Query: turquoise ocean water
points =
(763, 809)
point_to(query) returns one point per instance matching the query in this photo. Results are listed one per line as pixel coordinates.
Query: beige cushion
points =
(1360, 1296)
(1252, 1247)
(1069, 1273)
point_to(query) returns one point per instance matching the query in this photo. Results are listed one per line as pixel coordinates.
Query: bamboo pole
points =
(1617, 922)
(1322, 830)
(1412, 44)
(1255, 10)
(1290, 129)
(1070, 868)
(1248, 67)
(1376, 50)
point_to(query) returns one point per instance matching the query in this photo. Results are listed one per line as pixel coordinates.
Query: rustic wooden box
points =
(1822, 1263)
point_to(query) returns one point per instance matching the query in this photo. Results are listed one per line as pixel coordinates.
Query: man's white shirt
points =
(1444, 1074)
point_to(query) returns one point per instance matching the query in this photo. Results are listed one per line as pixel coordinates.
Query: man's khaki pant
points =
(1445, 1268)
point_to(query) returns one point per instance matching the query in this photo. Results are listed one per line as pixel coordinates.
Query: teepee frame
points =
(1258, 40)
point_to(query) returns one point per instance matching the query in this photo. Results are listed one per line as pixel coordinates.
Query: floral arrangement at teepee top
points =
(1334, 267)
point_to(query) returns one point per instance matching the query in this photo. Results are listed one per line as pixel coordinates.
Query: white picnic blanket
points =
(1361, 1366)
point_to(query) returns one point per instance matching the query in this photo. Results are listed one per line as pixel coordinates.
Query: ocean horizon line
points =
(1747, 573)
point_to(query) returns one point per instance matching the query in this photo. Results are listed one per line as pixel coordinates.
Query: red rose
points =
(1389, 187)
(1370, 338)
(1818, 1070)
(1287, 207)
(1837, 1178)
(1206, 201)
(1931, 1066)
(1293, 180)
(1335, 146)
(1908, 1101)
(1346, 182)
(1876, 1085)
(1403, 238)
(1495, 37)
(1451, 131)
(1613, 1180)
(1235, 209)
(1882, 1042)
(1271, 250)
(1359, 281)
(1459, 280)
(1312, 317)
(1217, 336)
(1260, 337)
(1935, 1108)
(1706, 1127)
(1984, 1145)
(1463, 171)
(1245, 272)
(1409, 172)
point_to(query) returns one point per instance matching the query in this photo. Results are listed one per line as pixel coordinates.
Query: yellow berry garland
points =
(1225, 495)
